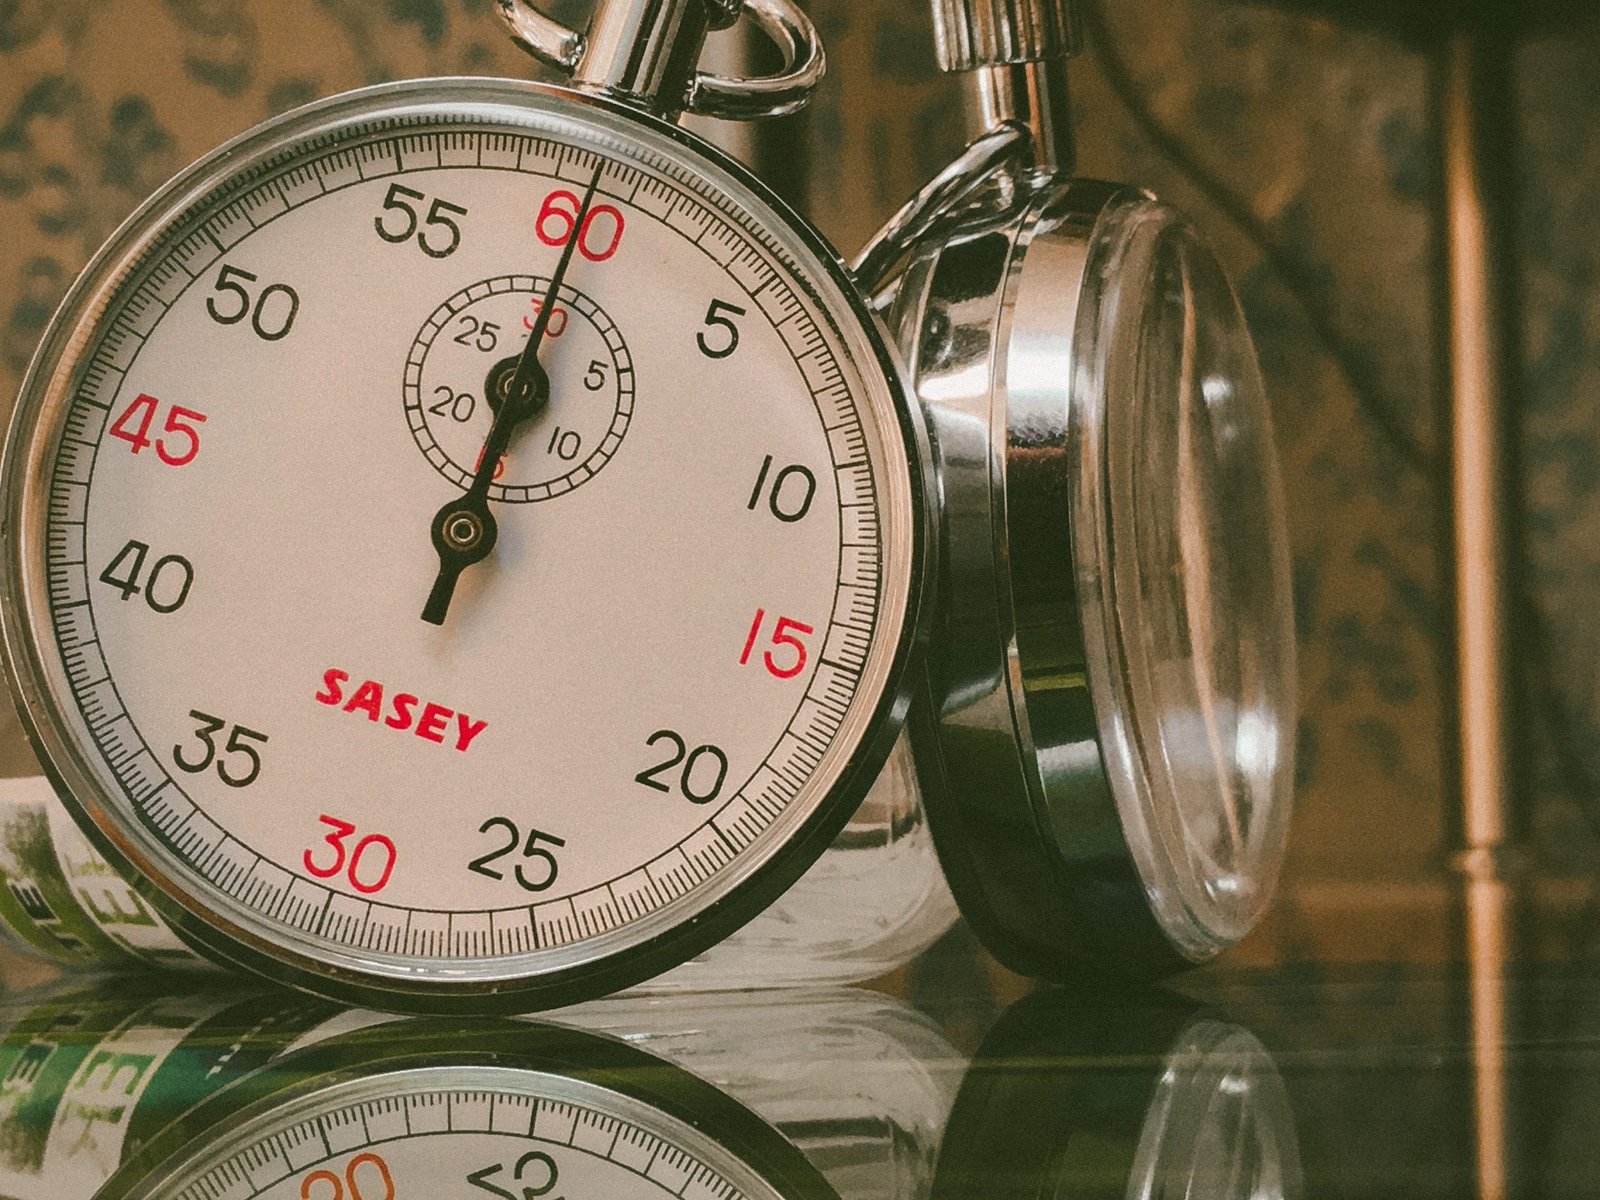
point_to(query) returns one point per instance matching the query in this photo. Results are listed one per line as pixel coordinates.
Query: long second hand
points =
(464, 530)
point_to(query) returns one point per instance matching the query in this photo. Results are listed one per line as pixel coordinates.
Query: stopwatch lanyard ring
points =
(647, 52)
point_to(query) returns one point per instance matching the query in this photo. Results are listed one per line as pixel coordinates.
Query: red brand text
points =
(405, 712)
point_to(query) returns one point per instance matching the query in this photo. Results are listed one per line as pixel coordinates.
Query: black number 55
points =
(403, 227)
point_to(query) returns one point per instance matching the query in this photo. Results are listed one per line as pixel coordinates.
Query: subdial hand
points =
(464, 530)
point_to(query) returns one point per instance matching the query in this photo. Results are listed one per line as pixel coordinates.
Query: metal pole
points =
(1477, 139)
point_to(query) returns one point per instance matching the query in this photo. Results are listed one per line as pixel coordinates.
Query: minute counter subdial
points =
(460, 366)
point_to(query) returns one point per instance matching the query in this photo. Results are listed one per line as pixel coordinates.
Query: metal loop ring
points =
(547, 39)
(988, 157)
(709, 95)
(773, 95)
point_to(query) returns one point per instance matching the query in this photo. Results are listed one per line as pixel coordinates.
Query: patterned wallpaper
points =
(1303, 150)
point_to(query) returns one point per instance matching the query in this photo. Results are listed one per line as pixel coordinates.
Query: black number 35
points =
(238, 745)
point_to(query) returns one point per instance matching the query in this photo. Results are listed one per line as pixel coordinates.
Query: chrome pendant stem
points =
(1033, 95)
(643, 48)
(1013, 54)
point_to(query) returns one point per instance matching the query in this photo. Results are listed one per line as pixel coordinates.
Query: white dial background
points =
(644, 604)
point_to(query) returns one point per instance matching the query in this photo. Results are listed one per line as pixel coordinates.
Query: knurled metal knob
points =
(991, 33)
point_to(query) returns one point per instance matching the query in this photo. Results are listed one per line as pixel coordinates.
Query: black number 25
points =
(547, 869)
(402, 200)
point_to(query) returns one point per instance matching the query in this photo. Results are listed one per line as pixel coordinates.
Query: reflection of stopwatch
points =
(467, 546)
(1139, 1098)
(512, 1111)
(209, 1094)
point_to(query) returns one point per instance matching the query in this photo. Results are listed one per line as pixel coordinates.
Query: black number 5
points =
(726, 341)
(238, 744)
(399, 200)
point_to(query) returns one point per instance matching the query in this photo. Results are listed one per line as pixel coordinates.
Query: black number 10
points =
(790, 495)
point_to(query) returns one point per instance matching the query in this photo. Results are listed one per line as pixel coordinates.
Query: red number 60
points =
(559, 214)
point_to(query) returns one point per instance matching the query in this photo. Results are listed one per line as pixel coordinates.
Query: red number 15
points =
(783, 634)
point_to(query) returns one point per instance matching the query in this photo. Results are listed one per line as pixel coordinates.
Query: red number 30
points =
(350, 862)
(559, 214)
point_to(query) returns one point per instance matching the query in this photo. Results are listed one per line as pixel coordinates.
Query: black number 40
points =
(165, 588)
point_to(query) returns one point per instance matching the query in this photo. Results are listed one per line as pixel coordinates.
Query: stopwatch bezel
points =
(582, 1064)
(241, 938)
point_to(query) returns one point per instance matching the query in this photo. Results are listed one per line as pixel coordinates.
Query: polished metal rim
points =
(1007, 736)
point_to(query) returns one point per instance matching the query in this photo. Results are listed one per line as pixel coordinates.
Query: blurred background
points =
(1301, 141)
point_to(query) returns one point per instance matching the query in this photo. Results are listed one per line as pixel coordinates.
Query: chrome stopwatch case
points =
(464, 537)
(1108, 727)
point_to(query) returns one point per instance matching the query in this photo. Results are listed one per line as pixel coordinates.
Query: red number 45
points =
(133, 427)
(783, 634)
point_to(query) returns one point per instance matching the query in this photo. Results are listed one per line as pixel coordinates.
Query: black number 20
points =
(698, 787)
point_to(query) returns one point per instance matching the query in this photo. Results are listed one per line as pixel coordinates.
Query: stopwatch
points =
(466, 536)
(1107, 727)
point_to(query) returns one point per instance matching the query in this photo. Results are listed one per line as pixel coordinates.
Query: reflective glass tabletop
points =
(1351, 1082)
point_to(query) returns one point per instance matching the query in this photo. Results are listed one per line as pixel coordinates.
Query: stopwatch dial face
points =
(1195, 678)
(690, 624)
(458, 1131)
